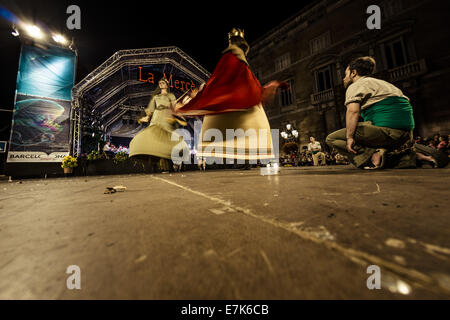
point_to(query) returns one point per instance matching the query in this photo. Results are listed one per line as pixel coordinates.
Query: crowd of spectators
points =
(437, 141)
(305, 158)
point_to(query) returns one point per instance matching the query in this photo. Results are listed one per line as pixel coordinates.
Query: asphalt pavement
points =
(306, 233)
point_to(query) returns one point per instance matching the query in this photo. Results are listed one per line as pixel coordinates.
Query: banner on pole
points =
(41, 120)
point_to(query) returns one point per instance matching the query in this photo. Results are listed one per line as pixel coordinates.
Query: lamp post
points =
(290, 134)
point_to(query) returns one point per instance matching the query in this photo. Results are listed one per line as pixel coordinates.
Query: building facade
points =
(311, 50)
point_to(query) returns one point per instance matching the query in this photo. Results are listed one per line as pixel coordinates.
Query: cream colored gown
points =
(256, 145)
(156, 139)
(249, 120)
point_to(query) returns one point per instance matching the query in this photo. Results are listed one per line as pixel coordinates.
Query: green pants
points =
(369, 138)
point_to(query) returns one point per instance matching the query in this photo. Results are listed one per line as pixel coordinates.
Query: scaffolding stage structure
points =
(120, 89)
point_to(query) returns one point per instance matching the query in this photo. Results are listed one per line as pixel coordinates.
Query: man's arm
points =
(352, 117)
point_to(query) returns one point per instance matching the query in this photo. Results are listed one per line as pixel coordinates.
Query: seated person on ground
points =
(388, 121)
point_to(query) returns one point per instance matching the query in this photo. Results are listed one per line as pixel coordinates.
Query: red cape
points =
(231, 87)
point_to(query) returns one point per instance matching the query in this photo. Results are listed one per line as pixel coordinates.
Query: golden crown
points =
(236, 33)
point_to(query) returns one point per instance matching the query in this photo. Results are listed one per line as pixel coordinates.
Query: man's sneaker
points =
(440, 158)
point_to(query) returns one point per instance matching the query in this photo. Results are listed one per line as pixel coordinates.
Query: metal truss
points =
(113, 91)
(104, 70)
(132, 108)
(122, 100)
(76, 131)
(116, 117)
(108, 73)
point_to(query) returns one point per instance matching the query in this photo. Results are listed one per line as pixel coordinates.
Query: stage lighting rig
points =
(15, 32)
(58, 38)
(34, 31)
(40, 36)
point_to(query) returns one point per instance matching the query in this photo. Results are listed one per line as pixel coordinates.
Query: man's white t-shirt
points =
(314, 147)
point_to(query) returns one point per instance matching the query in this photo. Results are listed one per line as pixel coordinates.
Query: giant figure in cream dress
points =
(158, 139)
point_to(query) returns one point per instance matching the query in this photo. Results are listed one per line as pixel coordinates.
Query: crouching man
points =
(388, 120)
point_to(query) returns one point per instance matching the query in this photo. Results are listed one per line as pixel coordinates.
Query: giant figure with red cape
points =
(231, 102)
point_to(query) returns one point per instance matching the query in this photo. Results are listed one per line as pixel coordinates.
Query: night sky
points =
(199, 28)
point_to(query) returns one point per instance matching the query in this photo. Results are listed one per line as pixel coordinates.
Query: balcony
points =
(322, 97)
(407, 71)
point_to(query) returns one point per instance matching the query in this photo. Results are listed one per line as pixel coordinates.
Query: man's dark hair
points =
(364, 66)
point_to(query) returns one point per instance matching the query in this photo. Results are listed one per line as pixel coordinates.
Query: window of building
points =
(287, 94)
(320, 43)
(396, 54)
(324, 79)
(283, 62)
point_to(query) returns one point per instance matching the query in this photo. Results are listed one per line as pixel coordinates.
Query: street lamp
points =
(290, 133)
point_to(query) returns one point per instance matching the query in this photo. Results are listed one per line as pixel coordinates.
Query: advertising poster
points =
(41, 121)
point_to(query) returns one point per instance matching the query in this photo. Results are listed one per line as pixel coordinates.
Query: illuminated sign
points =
(183, 85)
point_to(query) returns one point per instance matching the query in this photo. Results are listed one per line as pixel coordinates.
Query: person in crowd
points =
(107, 150)
(432, 144)
(436, 139)
(316, 150)
(310, 159)
(340, 159)
(201, 162)
(292, 157)
(443, 143)
(330, 160)
(302, 159)
(107, 146)
(419, 140)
